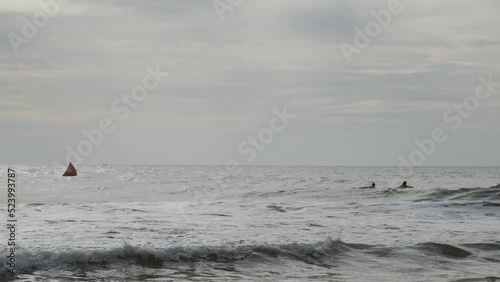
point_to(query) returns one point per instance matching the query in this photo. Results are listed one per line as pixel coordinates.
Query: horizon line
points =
(262, 165)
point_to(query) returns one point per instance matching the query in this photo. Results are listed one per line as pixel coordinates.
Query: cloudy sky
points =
(229, 68)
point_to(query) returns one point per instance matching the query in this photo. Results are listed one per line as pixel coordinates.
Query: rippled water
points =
(199, 223)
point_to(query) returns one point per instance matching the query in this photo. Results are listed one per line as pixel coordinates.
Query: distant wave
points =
(312, 253)
(485, 194)
(445, 250)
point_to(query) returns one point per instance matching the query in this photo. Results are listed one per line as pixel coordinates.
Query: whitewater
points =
(262, 223)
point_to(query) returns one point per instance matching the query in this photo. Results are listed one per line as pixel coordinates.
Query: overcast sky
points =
(228, 73)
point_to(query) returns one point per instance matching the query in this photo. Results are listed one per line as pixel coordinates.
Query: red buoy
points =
(70, 171)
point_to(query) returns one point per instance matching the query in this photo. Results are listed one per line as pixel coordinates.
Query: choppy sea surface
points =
(201, 223)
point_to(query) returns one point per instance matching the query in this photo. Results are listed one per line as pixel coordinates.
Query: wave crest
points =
(310, 253)
(482, 194)
(445, 250)
(322, 254)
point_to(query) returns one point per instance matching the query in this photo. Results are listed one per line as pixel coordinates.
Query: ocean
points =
(261, 223)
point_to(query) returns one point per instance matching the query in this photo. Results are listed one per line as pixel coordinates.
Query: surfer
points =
(373, 186)
(404, 185)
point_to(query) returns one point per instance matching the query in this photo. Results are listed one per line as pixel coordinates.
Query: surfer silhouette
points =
(404, 185)
(373, 186)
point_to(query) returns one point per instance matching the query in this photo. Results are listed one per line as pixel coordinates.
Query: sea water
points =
(201, 223)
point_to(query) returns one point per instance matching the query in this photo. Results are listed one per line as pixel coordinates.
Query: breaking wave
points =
(309, 253)
(322, 254)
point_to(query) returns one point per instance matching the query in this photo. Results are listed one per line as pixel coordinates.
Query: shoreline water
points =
(132, 223)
